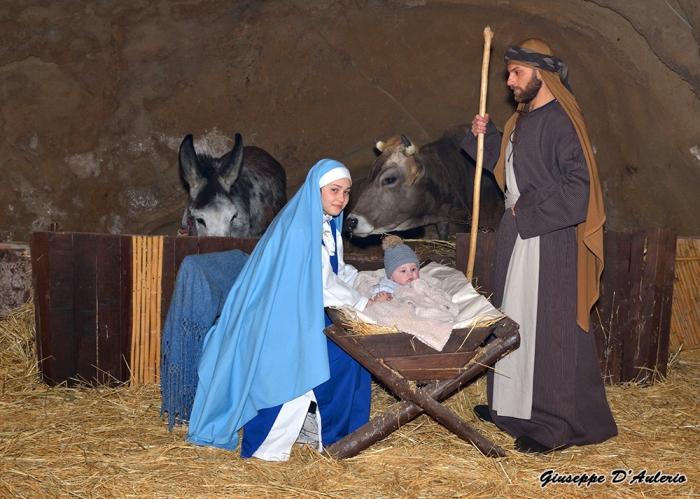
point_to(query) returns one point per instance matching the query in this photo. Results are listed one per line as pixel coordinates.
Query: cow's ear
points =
(231, 164)
(379, 145)
(189, 165)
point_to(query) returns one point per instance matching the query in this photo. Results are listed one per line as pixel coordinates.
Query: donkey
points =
(236, 195)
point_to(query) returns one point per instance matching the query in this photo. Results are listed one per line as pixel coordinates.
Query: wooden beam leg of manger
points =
(416, 401)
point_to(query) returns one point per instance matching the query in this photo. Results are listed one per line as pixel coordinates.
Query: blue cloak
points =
(268, 346)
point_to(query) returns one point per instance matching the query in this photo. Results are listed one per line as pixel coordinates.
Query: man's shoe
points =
(528, 445)
(482, 412)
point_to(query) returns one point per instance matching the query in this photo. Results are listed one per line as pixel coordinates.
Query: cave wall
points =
(96, 96)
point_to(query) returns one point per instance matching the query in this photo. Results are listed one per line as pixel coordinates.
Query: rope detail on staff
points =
(147, 273)
(488, 36)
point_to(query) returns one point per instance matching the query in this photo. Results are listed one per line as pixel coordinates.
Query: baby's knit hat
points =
(396, 253)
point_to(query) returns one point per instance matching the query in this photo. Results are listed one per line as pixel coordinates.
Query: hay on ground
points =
(111, 442)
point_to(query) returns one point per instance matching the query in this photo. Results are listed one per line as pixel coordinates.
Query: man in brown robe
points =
(548, 394)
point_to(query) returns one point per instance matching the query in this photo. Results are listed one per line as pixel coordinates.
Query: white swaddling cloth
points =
(428, 313)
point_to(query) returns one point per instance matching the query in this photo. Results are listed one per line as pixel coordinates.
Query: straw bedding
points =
(111, 442)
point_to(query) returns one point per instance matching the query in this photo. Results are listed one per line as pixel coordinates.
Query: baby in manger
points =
(416, 305)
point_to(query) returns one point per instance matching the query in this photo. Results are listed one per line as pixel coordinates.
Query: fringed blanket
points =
(202, 285)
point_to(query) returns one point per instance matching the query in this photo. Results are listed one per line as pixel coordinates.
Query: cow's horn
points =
(410, 149)
(379, 145)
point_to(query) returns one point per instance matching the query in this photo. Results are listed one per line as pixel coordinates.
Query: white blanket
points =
(428, 316)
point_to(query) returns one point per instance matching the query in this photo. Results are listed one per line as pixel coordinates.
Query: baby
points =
(402, 267)
(415, 305)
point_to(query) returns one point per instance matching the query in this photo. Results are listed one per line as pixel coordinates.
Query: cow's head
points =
(392, 196)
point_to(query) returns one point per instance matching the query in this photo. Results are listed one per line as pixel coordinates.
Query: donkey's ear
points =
(189, 165)
(231, 163)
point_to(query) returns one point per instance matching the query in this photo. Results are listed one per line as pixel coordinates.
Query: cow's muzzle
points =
(352, 224)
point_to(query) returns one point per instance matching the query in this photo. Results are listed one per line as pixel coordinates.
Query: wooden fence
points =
(631, 319)
(86, 300)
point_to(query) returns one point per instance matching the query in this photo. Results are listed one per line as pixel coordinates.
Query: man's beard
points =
(530, 91)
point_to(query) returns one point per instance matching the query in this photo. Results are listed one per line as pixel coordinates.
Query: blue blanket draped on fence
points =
(202, 285)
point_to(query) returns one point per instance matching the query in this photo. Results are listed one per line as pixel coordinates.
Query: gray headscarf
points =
(540, 61)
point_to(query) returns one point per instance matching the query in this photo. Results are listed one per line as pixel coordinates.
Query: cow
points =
(409, 187)
(236, 195)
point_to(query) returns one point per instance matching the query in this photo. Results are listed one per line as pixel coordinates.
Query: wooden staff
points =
(488, 36)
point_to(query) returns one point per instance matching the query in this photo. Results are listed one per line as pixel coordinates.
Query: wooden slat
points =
(631, 316)
(136, 306)
(602, 310)
(403, 344)
(39, 247)
(168, 277)
(483, 260)
(246, 245)
(142, 246)
(618, 308)
(430, 367)
(185, 246)
(109, 317)
(652, 291)
(212, 244)
(85, 305)
(146, 284)
(153, 326)
(487, 252)
(656, 299)
(62, 320)
(126, 262)
(462, 243)
(158, 313)
(666, 305)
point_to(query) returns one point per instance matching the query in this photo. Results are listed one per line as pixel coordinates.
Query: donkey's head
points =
(211, 210)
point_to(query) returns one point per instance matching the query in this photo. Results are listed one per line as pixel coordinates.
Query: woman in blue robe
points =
(266, 364)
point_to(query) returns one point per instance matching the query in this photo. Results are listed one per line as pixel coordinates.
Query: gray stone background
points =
(96, 96)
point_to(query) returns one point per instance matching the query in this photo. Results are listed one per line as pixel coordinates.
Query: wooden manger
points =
(422, 377)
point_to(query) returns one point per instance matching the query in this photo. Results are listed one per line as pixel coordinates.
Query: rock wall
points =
(16, 285)
(95, 96)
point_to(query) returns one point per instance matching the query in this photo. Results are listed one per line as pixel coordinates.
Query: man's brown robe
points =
(569, 404)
